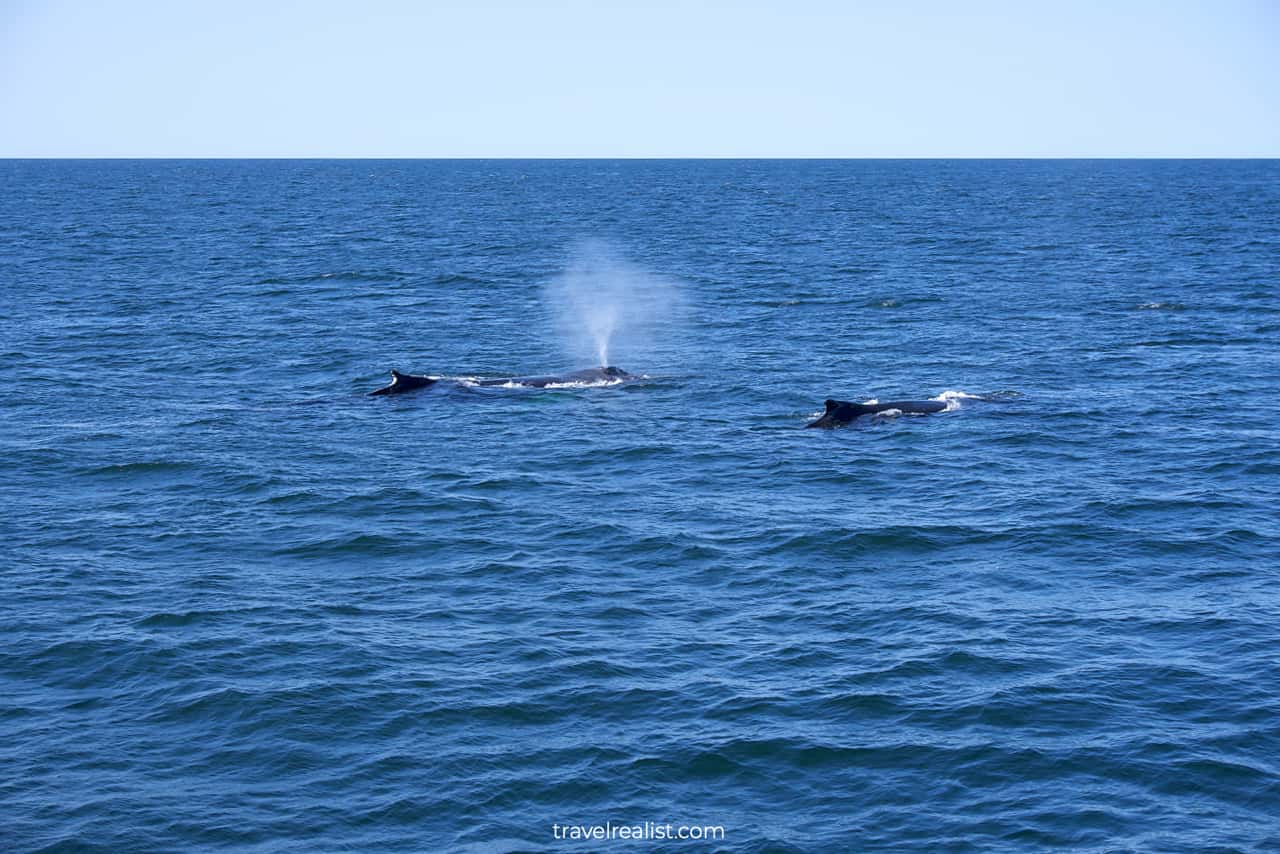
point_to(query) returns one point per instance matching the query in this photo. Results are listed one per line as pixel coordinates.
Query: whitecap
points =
(952, 398)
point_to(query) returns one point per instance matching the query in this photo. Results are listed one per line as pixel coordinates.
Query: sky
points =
(549, 78)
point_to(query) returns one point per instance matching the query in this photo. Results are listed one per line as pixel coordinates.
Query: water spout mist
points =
(606, 307)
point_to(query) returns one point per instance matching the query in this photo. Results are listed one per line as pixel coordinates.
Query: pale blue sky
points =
(391, 78)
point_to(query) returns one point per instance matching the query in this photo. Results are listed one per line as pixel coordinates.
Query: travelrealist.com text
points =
(648, 830)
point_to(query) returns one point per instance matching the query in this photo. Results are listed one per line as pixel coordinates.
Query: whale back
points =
(401, 383)
(837, 413)
(588, 375)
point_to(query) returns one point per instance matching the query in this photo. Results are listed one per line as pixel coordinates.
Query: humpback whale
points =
(841, 412)
(401, 383)
(590, 375)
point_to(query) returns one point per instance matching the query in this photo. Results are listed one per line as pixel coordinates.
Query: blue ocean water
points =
(246, 606)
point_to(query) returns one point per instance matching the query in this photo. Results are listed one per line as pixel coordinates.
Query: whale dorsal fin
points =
(395, 375)
(832, 404)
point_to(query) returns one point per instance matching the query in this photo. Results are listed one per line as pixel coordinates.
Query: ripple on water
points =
(251, 608)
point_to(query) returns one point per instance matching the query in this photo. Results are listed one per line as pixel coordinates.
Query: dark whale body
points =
(841, 412)
(590, 375)
(401, 383)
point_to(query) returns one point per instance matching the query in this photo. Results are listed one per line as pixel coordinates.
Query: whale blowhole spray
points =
(605, 306)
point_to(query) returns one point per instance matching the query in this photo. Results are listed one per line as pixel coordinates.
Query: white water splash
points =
(952, 399)
(606, 307)
(576, 384)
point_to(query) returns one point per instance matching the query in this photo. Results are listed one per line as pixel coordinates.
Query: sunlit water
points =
(247, 606)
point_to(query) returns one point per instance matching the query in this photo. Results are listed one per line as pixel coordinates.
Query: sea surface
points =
(245, 606)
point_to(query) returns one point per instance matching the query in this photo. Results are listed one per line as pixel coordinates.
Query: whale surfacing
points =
(400, 383)
(841, 412)
(606, 374)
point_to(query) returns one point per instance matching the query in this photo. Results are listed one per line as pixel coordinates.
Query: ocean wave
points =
(341, 276)
(235, 622)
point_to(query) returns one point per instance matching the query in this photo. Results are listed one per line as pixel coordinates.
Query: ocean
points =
(248, 607)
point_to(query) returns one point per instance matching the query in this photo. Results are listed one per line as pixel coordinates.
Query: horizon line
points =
(640, 157)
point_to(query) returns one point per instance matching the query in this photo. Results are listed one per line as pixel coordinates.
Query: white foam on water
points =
(474, 382)
(576, 384)
(952, 398)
